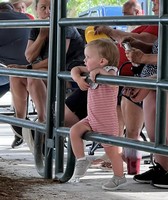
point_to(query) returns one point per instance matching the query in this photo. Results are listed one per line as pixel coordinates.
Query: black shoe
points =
(18, 136)
(17, 142)
(17, 130)
(161, 182)
(154, 173)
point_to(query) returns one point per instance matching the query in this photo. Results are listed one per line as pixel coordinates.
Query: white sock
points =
(83, 158)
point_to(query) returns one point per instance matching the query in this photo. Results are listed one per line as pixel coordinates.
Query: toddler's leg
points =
(114, 154)
(82, 164)
(118, 180)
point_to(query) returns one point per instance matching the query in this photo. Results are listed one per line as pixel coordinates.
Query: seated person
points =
(18, 38)
(21, 6)
(37, 55)
(157, 175)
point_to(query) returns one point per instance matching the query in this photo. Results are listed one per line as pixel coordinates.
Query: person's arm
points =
(118, 35)
(107, 70)
(67, 44)
(76, 73)
(138, 44)
(33, 48)
(138, 57)
(42, 65)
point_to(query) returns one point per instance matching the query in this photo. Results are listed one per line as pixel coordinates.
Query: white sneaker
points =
(115, 183)
(81, 168)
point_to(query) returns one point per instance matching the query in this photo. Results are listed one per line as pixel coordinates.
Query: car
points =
(104, 11)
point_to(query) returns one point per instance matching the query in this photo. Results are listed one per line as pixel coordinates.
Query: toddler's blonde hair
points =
(106, 49)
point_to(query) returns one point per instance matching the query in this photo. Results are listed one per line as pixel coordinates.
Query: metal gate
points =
(54, 129)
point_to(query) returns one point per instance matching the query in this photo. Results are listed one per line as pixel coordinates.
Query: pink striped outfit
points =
(102, 109)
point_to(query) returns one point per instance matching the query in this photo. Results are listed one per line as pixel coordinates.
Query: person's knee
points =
(31, 83)
(72, 132)
(133, 133)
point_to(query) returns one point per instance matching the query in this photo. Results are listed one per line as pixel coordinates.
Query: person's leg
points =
(75, 107)
(82, 163)
(150, 114)
(118, 180)
(120, 120)
(134, 119)
(76, 133)
(18, 87)
(157, 172)
(114, 154)
(19, 98)
(38, 92)
(70, 117)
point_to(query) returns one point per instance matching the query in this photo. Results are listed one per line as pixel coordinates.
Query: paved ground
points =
(19, 163)
(18, 166)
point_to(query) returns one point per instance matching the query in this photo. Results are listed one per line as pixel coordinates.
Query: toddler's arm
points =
(76, 74)
(108, 70)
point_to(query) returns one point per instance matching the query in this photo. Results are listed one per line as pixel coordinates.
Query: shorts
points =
(119, 97)
(77, 103)
(140, 104)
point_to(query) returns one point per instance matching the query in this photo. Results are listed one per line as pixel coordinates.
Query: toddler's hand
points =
(93, 74)
(83, 85)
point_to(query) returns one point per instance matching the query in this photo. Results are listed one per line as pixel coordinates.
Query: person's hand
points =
(135, 55)
(133, 42)
(127, 91)
(17, 66)
(94, 73)
(83, 85)
(102, 29)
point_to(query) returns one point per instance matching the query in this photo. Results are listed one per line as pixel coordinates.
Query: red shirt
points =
(126, 71)
(30, 16)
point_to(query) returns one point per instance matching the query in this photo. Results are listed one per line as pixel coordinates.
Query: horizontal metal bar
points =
(24, 23)
(123, 80)
(116, 20)
(24, 73)
(119, 141)
(22, 123)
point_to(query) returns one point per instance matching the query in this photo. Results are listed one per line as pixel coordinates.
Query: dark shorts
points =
(119, 97)
(140, 104)
(77, 103)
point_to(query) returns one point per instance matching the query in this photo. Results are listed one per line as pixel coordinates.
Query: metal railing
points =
(160, 84)
(54, 129)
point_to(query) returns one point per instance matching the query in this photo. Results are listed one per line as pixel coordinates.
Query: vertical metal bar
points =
(163, 7)
(160, 134)
(60, 91)
(51, 89)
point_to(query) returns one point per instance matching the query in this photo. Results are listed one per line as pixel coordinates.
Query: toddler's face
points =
(92, 58)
